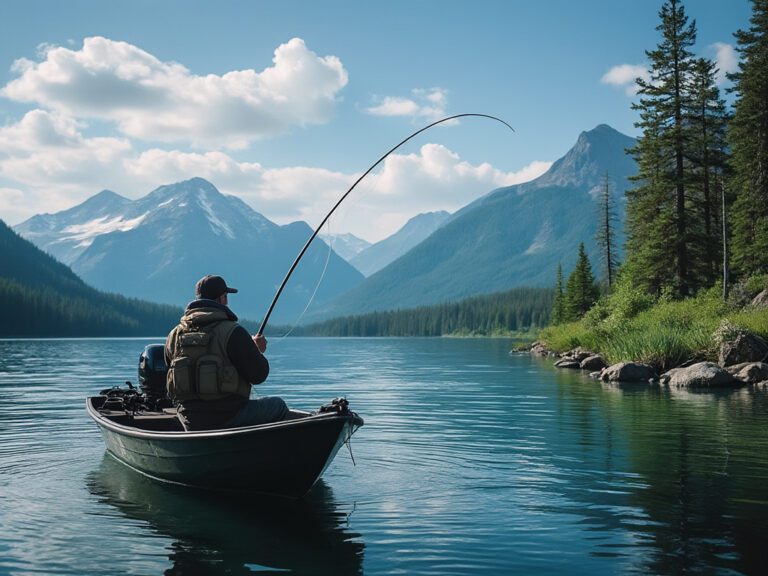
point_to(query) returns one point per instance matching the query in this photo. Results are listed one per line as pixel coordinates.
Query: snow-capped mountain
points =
(158, 246)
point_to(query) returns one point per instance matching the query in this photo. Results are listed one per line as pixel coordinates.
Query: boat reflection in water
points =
(234, 533)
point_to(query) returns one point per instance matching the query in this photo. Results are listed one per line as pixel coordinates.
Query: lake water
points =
(471, 461)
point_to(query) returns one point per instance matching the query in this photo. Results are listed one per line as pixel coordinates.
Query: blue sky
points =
(285, 103)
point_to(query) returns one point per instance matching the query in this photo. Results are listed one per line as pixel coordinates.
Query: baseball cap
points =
(211, 287)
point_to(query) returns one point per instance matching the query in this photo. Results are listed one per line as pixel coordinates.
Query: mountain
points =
(42, 297)
(158, 246)
(513, 236)
(345, 245)
(46, 231)
(414, 231)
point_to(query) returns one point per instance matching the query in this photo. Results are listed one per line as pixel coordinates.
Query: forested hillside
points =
(41, 297)
(517, 310)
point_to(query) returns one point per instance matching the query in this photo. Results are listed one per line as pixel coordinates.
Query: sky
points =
(286, 103)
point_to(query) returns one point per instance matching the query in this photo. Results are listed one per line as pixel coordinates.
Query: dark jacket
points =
(250, 364)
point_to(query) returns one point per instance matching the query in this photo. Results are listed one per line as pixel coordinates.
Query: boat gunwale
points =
(182, 435)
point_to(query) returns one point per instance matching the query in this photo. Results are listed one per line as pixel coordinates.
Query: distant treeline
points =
(517, 310)
(41, 297)
(46, 313)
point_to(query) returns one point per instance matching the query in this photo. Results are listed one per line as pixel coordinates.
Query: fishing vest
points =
(199, 366)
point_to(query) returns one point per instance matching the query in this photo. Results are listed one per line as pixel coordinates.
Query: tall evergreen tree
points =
(748, 137)
(660, 154)
(606, 234)
(706, 120)
(581, 291)
(650, 212)
(559, 312)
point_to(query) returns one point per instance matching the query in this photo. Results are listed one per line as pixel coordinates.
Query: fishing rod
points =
(327, 216)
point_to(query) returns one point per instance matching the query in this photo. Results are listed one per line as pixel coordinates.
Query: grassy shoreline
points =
(630, 326)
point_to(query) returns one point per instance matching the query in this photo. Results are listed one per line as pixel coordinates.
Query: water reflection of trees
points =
(220, 533)
(686, 472)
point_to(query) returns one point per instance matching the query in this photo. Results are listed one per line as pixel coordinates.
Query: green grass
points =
(752, 320)
(568, 336)
(628, 327)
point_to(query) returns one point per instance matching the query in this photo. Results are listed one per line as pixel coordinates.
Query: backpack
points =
(200, 368)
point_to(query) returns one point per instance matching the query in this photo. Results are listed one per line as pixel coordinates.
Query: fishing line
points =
(331, 242)
(368, 171)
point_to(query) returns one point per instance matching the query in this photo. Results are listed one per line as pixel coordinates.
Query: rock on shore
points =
(743, 347)
(750, 372)
(701, 375)
(628, 372)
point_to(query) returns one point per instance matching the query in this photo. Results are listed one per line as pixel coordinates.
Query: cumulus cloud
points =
(48, 149)
(423, 104)
(624, 75)
(163, 101)
(727, 60)
(37, 130)
(12, 203)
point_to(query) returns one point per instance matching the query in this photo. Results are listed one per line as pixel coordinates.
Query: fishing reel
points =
(339, 405)
(122, 399)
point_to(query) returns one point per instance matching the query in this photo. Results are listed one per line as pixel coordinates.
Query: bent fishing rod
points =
(343, 197)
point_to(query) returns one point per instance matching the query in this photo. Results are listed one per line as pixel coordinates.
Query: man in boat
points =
(213, 362)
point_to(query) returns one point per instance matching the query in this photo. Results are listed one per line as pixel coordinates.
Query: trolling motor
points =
(152, 375)
(151, 394)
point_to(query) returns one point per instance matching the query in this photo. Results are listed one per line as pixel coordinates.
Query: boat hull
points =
(284, 458)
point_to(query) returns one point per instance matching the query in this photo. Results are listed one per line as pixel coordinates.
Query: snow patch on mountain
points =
(218, 226)
(542, 239)
(85, 233)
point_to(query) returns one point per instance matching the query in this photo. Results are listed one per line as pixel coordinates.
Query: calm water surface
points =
(471, 461)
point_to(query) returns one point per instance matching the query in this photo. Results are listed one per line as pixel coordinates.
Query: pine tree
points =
(650, 212)
(660, 154)
(558, 305)
(706, 120)
(581, 292)
(606, 234)
(748, 137)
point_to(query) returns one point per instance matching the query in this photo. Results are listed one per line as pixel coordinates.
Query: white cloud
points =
(47, 165)
(47, 149)
(624, 75)
(163, 101)
(172, 166)
(425, 104)
(39, 130)
(391, 106)
(528, 173)
(12, 205)
(727, 60)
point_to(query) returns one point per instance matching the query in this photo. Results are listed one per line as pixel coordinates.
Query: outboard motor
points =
(152, 375)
